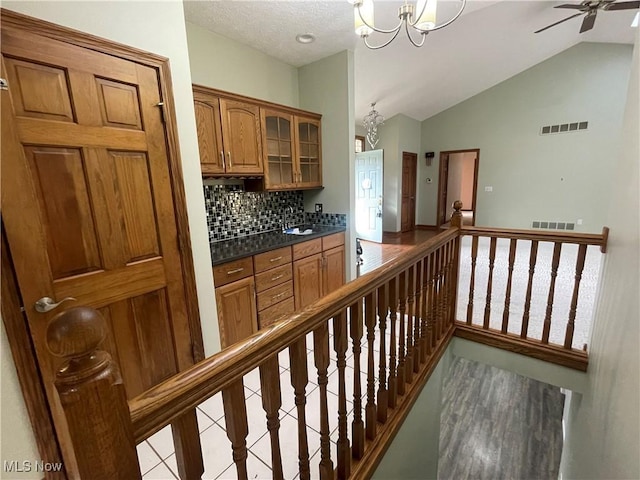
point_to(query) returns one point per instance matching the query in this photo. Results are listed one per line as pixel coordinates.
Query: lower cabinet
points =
(307, 280)
(237, 313)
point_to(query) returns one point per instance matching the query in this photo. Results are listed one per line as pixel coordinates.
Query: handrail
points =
(155, 408)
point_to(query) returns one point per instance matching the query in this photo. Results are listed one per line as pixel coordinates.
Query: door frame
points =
(443, 179)
(412, 157)
(22, 347)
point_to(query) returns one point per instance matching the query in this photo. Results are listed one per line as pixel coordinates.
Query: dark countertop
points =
(228, 250)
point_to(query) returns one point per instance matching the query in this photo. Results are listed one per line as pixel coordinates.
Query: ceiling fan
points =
(590, 8)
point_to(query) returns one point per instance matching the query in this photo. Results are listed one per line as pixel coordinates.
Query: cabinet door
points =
(333, 272)
(237, 315)
(307, 280)
(308, 152)
(207, 110)
(278, 149)
(241, 136)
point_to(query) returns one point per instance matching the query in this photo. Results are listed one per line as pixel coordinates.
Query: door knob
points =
(46, 304)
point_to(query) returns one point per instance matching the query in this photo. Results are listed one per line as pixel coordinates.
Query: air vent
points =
(564, 128)
(552, 225)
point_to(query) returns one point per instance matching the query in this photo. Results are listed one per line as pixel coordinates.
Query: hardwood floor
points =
(376, 254)
(498, 425)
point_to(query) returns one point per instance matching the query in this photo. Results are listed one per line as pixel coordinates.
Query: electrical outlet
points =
(488, 189)
(318, 208)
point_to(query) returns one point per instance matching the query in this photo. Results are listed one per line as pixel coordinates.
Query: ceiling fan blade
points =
(622, 6)
(588, 22)
(557, 23)
(570, 5)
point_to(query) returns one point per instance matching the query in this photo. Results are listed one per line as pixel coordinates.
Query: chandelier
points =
(424, 22)
(371, 122)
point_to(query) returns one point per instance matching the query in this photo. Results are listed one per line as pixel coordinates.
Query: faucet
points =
(285, 222)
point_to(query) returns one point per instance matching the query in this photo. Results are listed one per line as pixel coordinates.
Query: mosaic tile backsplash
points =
(233, 212)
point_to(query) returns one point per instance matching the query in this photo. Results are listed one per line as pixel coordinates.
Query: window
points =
(359, 144)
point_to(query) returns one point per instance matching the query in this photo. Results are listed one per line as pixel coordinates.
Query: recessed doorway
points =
(458, 180)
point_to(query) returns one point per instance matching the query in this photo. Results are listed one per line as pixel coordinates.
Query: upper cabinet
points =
(239, 136)
(228, 135)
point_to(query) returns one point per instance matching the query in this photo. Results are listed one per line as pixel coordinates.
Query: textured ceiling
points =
(490, 42)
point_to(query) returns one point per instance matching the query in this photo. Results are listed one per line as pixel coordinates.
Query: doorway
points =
(458, 180)
(408, 205)
(369, 189)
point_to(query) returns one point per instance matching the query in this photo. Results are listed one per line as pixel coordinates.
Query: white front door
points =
(369, 195)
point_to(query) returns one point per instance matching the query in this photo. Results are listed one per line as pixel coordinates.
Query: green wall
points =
(562, 177)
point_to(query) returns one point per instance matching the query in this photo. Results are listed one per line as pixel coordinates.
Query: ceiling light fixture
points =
(371, 122)
(424, 22)
(305, 38)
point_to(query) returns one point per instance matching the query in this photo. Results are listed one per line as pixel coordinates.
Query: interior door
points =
(87, 203)
(408, 207)
(369, 190)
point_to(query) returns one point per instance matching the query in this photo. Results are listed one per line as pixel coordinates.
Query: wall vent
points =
(564, 128)
(553, 225)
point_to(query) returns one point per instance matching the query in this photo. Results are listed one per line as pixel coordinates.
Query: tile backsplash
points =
(232, 212)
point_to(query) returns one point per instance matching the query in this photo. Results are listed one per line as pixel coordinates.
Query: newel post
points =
(456, 217)
(92, 396)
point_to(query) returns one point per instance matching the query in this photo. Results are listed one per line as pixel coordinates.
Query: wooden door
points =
(241, 137)
(237, 313)
(333, 272)
(87, 203)
(207, 109)
(307, 280)
(278, 148)
(408, 207)
(308, 152)
(443, 180)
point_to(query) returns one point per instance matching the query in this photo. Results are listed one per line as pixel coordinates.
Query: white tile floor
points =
(157, 457)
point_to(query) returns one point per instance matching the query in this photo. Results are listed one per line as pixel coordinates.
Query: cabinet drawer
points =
(274, 295)
(273, 313)
(273, 258)
(332, 241)
(232, 271)
(273, 277)
(304, 249)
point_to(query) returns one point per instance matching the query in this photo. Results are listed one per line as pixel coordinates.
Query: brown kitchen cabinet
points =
(229, 135)
(308, 152)
(237, 313)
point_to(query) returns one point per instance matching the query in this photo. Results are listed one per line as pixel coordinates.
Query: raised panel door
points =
(207, 110)
(308, 152)
(237, 314)
(307, 280)
(241, 137)
(278, 148)
(333, 273)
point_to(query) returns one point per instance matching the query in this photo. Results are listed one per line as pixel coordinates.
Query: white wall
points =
(326, 87)
(554, 177)
(603, 438)
(221, 63)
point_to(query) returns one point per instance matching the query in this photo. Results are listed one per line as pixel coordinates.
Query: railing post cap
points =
(75, 332)
(457, 205)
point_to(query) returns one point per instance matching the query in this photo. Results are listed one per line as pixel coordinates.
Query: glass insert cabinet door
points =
(278, 138)
(309, 154)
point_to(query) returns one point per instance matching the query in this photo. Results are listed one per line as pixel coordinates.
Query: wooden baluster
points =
(357, 425)
(408, 367)
(417, 340)
(446, 283)
(455, 275)
(271, 403)
(440, 294)
(383, 394)
(370, 408)
(434, 299)
(507, 295)
(527, 299)
(397, 296)
(186, 441)
(424, 338)
(235, 417)
(568, 339)
(321, 356)
(299, 381)
(472, 281)
(340, 345)
(92, 397)
(392, 383)
(492, 260)
(555, 262)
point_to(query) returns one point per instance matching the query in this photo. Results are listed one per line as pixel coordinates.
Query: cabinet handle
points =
(276, 259)
(237, 270)
(224, 165)
(276, 277)
(229, 157)
(274, 297)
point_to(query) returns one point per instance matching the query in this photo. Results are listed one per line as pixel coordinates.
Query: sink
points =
(298, 231)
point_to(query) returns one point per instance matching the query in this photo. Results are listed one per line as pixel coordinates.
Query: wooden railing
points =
(389, 328)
